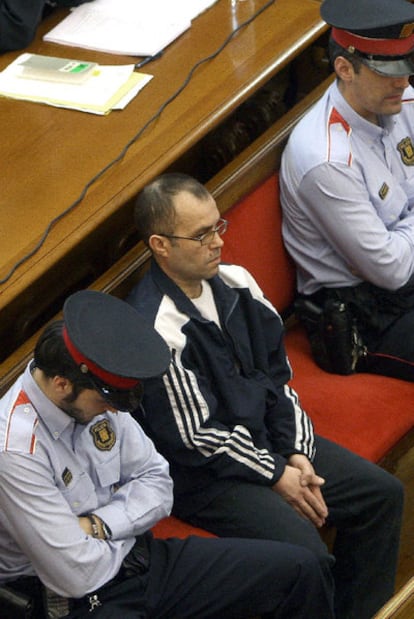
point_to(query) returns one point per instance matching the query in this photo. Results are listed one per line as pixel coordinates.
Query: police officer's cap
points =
(380, 32)
(110, 340)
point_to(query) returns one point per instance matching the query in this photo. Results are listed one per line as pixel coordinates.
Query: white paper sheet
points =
(110, 87)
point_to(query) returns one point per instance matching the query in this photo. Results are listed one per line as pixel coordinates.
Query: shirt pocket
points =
(108, 472)
(391, 204)
(80, 493)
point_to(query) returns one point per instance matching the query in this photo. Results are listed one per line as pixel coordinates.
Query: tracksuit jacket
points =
(223, 412)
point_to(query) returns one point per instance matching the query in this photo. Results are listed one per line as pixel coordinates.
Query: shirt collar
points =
(51, 415)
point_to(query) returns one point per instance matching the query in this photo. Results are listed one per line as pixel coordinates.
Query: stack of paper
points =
(108, 88)
(128, 27)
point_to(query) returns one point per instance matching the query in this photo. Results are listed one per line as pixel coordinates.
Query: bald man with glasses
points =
(243, 455)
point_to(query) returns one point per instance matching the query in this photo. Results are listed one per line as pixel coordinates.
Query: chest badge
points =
(384, 189)
(67, 476)
(103, 435)
(406, 150)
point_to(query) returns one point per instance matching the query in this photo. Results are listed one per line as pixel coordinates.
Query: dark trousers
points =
(207, 578)
(393, 350)
(365, 505)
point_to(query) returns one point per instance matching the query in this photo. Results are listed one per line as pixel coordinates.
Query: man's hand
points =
(86, 524)
(301, 488)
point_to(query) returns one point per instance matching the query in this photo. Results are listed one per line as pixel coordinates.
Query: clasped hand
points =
(301, 488)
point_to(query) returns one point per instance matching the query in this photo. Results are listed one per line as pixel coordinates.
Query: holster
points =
(335, 342)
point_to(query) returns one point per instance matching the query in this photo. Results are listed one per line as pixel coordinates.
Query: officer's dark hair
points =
(154, 211)
(52, 357)
(336, 50)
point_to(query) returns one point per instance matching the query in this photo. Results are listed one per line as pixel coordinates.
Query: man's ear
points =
(344, 69)
(61, 385)
(159, 245)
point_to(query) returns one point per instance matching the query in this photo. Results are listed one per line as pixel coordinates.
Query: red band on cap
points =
(113, 380)
(379, 47)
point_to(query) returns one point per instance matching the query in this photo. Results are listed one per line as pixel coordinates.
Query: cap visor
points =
(391, 68)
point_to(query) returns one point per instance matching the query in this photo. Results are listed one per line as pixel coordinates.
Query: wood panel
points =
(405, 472)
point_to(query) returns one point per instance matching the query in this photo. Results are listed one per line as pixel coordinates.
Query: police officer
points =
(347, 182)
(81, 485)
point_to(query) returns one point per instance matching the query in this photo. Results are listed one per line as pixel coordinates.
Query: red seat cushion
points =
(173, 527)
(363, 412)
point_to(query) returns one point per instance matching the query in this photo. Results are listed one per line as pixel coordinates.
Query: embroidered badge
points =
(406, 149)
(103, 435)
(384, 189)
(67, 476)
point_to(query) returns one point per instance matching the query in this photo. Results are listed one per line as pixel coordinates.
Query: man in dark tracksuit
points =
(242, 452)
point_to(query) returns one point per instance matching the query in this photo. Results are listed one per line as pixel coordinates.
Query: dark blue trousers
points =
(208, 578)
(365, 505)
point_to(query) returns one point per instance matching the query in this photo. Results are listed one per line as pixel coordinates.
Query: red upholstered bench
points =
(368, 414)
(173, 527)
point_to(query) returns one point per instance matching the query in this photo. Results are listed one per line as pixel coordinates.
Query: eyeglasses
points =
(205, 238)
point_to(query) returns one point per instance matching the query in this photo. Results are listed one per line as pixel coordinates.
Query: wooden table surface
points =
(49, 155)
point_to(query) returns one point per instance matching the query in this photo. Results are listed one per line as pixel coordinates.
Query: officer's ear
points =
(61, 385)
(344, 69)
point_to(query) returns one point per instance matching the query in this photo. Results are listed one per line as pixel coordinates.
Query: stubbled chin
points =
(395, 105)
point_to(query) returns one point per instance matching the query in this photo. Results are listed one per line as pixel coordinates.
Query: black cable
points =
(128, 145)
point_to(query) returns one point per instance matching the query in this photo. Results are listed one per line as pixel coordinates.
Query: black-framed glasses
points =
(207, 237)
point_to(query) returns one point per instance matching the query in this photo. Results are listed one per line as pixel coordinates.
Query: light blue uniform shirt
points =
(347, 192)
(53, 470)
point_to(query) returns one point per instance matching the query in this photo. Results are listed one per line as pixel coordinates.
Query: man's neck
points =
(347, 95)
(192, 290)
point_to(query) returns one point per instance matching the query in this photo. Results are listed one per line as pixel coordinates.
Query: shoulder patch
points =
(338, 143)
(21, 426)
